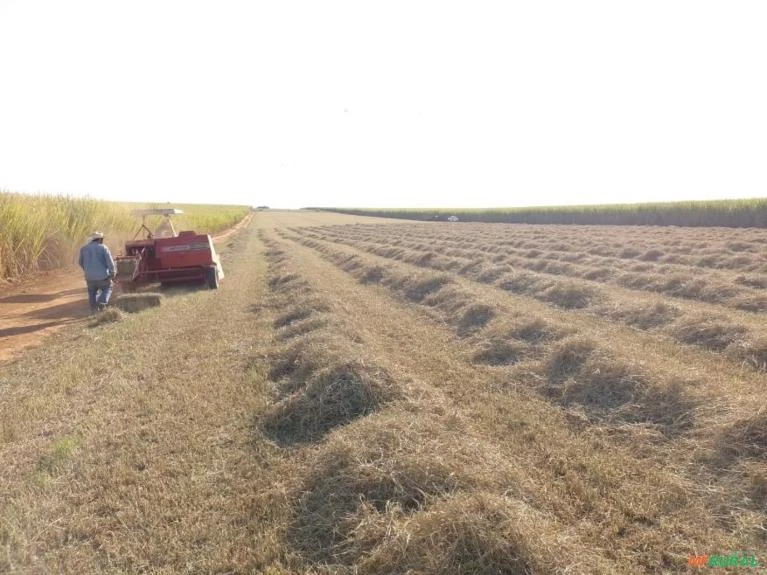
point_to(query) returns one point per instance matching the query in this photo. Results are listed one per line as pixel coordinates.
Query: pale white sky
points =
(396, 103)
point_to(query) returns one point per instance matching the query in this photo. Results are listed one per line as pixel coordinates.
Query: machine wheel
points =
(211, 277)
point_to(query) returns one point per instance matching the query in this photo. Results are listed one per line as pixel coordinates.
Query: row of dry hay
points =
(743, 340)
(737, 278)
(595, 465)
(536, 267)
(699, 247)
(714, 449)
(387, 475)
(567, 367)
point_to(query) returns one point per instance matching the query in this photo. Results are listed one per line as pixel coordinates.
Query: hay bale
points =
(127, 268)
(136, 302)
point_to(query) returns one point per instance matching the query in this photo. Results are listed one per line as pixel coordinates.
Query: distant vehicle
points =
(262, 208)
(452, 219)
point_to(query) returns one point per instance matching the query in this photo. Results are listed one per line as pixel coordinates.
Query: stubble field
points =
(406, 398)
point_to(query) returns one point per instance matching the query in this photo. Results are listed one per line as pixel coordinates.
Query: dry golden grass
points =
(349, 412)
(693, 294)
(609, 264)
(622, 383)
(127, 448)
(534, 331)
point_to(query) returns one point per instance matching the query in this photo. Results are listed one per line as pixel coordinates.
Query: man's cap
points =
(97, 236)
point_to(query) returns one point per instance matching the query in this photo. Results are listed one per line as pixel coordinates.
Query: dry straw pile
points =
(136, 302)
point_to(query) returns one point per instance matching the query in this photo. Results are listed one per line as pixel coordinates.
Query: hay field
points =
(406, 398)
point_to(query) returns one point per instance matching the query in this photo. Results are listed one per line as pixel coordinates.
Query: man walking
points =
(99, 268)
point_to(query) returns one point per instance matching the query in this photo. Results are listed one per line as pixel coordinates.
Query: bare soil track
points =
(389, 398)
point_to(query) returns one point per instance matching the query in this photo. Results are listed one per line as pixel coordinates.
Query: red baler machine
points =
(166, 257)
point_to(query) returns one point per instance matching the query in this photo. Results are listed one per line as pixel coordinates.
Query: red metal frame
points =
(181, 259)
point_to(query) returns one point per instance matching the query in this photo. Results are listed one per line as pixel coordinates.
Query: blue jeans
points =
(99, 292)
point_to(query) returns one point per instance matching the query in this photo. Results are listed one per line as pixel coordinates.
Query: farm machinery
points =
(167, 257)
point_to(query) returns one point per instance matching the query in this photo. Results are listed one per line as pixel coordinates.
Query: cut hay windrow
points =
(387, 471)
(483, 263)
(363, 505)
(382, 460)
(331, 424)
(361, 403)
(573, 372)
(320, 386)
(573, 294)
(335, 395)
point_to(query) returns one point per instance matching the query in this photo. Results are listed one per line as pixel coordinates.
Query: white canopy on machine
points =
(165, 229)
(156, 212)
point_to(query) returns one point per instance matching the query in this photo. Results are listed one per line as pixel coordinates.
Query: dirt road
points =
(30, 312)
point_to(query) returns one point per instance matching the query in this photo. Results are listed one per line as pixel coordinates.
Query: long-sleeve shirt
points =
(96, 261)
